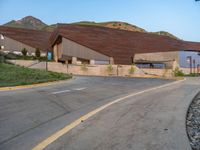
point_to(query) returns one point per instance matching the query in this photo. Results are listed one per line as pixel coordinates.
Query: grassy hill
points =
(28, 22)
(34, 23)
(113, 24)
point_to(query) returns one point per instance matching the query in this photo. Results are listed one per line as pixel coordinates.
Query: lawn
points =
(11, 75)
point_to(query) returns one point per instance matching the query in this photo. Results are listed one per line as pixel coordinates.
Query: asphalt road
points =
(151, 121)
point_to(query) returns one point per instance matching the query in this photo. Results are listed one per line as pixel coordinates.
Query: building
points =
(100, 45)
(15, 39)
(77, 44)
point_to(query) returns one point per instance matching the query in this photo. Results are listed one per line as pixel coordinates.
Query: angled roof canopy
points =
(119, 44)
(34, 38)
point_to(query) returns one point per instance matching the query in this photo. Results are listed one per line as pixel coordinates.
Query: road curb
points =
(20, 87)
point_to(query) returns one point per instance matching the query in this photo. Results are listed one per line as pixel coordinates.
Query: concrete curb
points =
(20, 87)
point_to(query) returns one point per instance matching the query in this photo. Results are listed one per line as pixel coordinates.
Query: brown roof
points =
(194, 46)
(34, 38)
(119, 44)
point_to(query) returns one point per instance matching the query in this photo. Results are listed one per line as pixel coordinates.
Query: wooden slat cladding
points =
(119, 44)
(33, 38)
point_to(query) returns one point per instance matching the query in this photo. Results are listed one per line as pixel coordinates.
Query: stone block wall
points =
(96, 70)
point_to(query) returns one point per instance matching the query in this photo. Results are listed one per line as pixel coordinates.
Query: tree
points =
(37, 53)
(24, 52)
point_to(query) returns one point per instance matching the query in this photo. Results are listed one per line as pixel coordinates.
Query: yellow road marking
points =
(67, 128)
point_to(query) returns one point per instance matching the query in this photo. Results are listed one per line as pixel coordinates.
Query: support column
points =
(74, 60)
(92, 62)
(111, 61)
(55, 53)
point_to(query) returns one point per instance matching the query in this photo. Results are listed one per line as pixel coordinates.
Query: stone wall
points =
(25, 63)
(96, 70)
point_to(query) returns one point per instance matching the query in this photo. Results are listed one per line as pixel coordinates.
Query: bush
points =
(110, 68)
(2, 59)
(2, 53)
(84, 67)
(178, 73)
(132, 70)
(11, 55)
(24, 52)
(37, 53)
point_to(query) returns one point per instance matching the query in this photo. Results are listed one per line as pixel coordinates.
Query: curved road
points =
(152, 120)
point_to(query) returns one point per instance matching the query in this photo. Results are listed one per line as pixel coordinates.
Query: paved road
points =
(153, 120)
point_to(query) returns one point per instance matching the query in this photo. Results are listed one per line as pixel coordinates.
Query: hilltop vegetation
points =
(113, 24)
(28, 22)
(34, 23)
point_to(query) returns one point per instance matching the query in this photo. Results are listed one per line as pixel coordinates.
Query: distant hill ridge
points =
(28, 22)
(31, 22)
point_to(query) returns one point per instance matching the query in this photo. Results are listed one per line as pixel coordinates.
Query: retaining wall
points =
(95, 70)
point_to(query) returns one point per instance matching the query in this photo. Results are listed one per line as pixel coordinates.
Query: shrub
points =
(110, 68)
(11, 56)
(84, 67)
(2, 59)
(37, 52)
(132, 70)
(178, 73)
(24, 52)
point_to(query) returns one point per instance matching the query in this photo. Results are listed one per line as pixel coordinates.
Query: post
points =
(117, 70)
(194, 65)
(47, 61)
(198, 67)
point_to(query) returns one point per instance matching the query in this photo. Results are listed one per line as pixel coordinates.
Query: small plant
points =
(37, 52)
(24, 52)
(178, 72)
(84, 67)
(132, 70)
(110, 68)
(114, 24)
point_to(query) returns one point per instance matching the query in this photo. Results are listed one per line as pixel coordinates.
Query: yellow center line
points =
(67, 128)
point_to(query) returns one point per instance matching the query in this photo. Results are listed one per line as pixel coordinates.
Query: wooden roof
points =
(119, 44)
(34, 38)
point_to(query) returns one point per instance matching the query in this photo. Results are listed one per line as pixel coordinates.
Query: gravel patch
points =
(193, 123)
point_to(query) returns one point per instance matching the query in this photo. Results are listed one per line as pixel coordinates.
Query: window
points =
(1, 47)
(2, 37)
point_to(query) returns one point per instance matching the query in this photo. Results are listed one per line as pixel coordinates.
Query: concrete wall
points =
(159, 72)
(187, 70)
(25, 63)
(96, 70)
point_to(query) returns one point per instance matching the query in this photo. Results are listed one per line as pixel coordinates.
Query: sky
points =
(179, 17)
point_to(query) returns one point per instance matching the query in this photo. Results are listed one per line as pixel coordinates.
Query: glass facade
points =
(183, 58)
